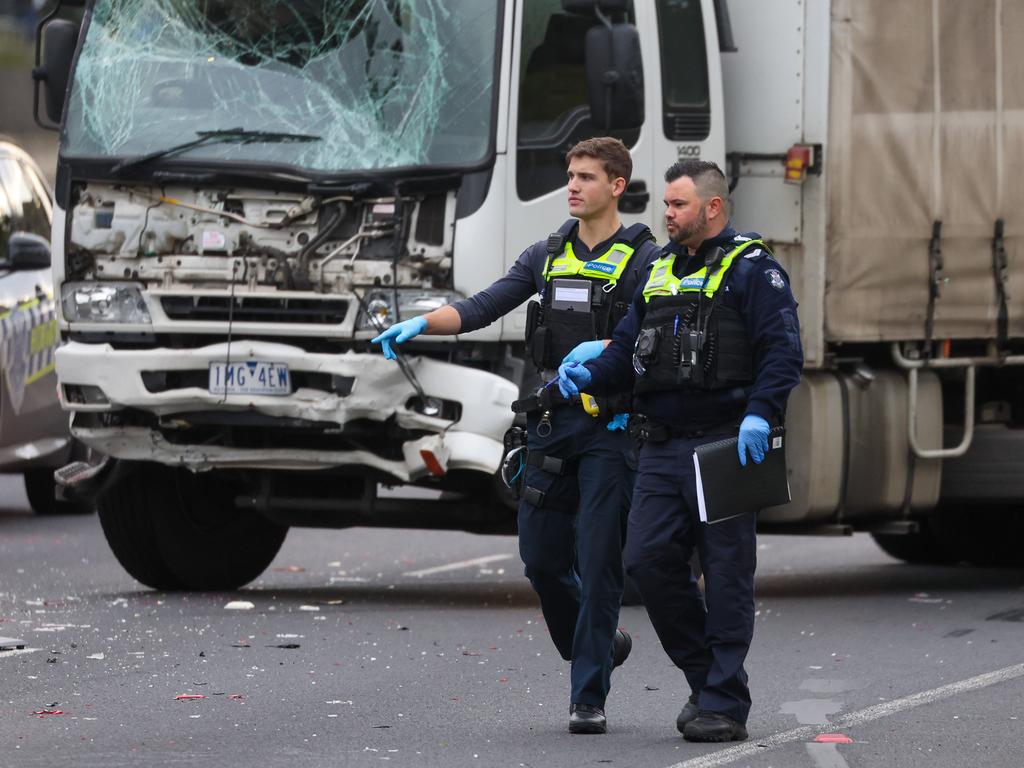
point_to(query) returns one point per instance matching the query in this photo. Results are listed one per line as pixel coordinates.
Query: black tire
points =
(987, 535)
(922, 548)
(172, 529)
(41, 489)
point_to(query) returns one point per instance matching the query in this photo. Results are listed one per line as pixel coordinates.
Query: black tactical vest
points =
(581, 300)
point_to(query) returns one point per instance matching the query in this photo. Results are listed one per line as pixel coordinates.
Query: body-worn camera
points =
(645, 351)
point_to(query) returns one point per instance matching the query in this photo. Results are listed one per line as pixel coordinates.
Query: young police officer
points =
(580, 470)
(711, 340)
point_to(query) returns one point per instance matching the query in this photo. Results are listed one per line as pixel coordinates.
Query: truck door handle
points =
(635, 198)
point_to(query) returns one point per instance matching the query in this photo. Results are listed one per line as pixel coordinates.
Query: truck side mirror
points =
(56, 40)
(27, 251)
(615, 76)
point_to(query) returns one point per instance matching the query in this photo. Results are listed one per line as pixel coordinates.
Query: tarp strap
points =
(1000, 269)
(934, 284)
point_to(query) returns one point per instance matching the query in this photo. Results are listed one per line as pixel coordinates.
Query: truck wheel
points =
(923, 547)
(188, 524)
(990, 535)
(40, 488)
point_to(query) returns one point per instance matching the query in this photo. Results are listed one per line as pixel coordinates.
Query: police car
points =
(34, 438)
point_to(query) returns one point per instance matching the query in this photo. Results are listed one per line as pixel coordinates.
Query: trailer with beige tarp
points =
(903, 236)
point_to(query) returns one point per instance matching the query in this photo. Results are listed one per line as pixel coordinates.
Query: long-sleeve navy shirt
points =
(758, 287)
(525, 278)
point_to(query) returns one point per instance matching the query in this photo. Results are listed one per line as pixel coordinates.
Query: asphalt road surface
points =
(365, 647)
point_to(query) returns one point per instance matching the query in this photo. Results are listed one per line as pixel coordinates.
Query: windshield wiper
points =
(230, 135)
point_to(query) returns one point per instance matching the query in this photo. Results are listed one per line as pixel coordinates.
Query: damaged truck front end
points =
(247, 193)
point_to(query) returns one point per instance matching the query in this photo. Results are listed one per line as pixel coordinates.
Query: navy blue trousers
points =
(571, 544)
(708, 638)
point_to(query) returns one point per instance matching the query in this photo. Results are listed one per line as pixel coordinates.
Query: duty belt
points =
(649, 431)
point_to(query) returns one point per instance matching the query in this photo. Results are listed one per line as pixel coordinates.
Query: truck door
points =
(684, 90)
(548, 114)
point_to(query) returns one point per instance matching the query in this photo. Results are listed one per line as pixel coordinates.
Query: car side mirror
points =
(27, 251)
(57, 39)
(615, 76)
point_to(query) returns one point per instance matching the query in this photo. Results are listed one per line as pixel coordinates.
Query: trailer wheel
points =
(989, 534)
(923, 547)
(189, 526)
(41, 488)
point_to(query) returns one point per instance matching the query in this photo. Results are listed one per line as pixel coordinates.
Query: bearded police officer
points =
(580, 468)
(711, 342)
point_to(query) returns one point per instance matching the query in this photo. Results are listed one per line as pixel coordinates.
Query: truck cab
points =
(247, 193)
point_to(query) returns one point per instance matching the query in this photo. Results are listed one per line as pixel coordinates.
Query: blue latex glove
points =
(619, 421)
(585, 350)
(399, 333)
(753, 438)
(571, 378)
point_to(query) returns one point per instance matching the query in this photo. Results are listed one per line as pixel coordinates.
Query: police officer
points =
(711, 341)
(580, 468)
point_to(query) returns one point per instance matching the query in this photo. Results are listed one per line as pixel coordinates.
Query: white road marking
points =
(17, 652)
(457, 566)
(876, 712)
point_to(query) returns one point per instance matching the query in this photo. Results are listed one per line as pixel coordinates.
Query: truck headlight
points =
(379, 306)
(104, 303)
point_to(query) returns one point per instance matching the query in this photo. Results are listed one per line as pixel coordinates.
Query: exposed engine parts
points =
(175, 237)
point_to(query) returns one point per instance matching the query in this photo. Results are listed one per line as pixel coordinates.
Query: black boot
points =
(621, 646)
(714, 726)
(586, 718)
(688, 713)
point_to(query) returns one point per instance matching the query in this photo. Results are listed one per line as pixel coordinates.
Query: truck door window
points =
(686, 107)
(553, 104)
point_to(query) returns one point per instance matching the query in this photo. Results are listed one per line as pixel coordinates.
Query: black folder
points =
(725, 488)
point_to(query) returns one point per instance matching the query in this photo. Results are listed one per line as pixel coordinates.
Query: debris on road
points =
(44, 712)
(833, 738)
(10, 644)
(239, 605)
(188, 696)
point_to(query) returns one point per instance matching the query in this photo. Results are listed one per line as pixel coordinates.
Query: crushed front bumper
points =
(377, 391)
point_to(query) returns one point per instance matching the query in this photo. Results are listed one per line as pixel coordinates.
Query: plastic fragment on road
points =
(239, 605)
(290, 569)
(286, 646)
(97, 656)
(236, 697)
(309, 607)
(832, 738)
(44, 712)
(188, 696)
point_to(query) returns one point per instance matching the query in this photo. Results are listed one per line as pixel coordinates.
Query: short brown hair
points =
(611, 152)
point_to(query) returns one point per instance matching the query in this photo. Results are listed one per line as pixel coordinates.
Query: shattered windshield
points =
(382, 83)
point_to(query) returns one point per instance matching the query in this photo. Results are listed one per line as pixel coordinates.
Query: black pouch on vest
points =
(566, 329)
(533, 315)
(539, 343)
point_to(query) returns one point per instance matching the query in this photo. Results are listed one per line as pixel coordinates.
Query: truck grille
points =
(256, 309)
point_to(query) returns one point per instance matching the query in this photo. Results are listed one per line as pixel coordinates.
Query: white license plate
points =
(250, 377)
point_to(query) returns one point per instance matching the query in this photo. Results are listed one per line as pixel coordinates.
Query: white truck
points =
(248, 191)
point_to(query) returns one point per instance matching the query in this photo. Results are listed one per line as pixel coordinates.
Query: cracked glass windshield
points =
(382, 83)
